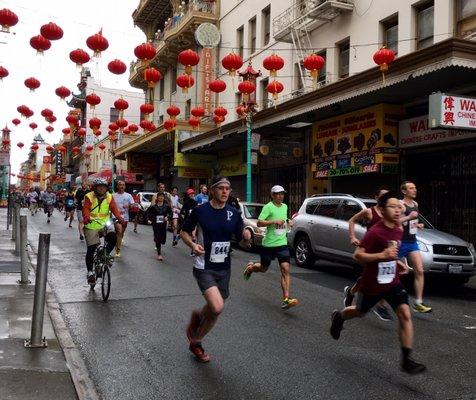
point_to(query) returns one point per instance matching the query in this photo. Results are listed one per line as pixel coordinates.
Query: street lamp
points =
(249, 108)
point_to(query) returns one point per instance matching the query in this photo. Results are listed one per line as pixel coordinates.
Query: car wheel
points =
(304, 255)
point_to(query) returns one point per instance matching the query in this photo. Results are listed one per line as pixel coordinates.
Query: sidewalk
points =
(26, 373)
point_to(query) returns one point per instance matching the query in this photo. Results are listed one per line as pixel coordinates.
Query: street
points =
(135, 347)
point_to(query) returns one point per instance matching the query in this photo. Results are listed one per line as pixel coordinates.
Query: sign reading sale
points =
(452, 111)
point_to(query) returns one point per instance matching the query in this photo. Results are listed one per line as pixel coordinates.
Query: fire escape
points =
(295, 24)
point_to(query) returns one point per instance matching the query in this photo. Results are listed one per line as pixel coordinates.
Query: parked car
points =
(321, 230)
(144, 203)
(250, 213)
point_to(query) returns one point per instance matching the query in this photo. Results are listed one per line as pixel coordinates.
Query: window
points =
(328, 208)
(240, 40)
(266, 23)
(322, 72)
(466, 17)
(173, 80)
(114, 114)
(389, 29)
(344, 58)
(252, 35)
(264, 93)
(238, 98)
(349, 209)
(425, 23)
(161, 89)
(311, 206)
(297, 77)
(188, 107)
(161, 119)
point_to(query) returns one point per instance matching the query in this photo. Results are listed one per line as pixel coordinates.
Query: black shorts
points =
(132, 215)
(70, 209)
(206, 278)
(268, 254)
(395, 296)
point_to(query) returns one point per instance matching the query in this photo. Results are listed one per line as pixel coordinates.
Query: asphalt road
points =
(135, 345)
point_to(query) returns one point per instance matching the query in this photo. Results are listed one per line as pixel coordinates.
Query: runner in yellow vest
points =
(98, 205)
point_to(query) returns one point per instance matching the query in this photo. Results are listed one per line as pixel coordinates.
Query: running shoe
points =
(348, 297)
(81, 237)
(118, 253)
(289, 302)
(135, 230)
(382, 313)
(65, 218)
(48, 221)
(174, 243)
(421, 308)
(337, 324)
(198, 352)
(70, 226)
(247, 272)
(91, 277)
(412, 367)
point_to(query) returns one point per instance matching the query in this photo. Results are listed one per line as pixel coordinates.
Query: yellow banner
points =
(190, 172)
(231, 164)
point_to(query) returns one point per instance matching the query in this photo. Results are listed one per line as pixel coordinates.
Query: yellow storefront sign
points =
(194, 173)
(231, 163)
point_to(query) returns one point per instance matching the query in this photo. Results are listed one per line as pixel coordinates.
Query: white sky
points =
(79, 20)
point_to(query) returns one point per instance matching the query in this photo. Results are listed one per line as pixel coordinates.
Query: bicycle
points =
(102, 262)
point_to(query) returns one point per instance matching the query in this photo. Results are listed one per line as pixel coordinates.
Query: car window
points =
(327, 208)
(348, 209)
(311, 206)
(252, 211)
(147, 197)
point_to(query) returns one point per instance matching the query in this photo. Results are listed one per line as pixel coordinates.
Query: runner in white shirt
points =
(123, 200)
(32, 197)
(176, 207)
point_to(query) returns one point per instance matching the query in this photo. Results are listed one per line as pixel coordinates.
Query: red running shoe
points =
(193, 325)
(199, 353)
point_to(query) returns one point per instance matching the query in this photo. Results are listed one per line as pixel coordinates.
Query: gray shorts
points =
(206, 278)
(79, 215)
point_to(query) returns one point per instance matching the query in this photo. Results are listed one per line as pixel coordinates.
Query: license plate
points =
(455, 268)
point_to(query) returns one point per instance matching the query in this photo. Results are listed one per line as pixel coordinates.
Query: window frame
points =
(173, 80)
(422, 43)
(264, 93)
(112, 111)
(340, 212)
(240, 40)
(266, 25)
(321, 202)
(344, 46)
(388, 23)
(252, 35)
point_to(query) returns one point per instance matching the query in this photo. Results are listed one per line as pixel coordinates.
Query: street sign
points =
(450, 111)
(255, 140)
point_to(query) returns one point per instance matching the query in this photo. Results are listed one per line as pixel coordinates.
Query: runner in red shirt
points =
(378, 252)
(134, 209)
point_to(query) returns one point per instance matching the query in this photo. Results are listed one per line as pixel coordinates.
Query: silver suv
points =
(321, 230)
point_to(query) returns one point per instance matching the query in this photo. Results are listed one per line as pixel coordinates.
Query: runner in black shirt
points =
(79, 197)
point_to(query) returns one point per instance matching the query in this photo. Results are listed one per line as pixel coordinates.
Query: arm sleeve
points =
(366, 240)
(115, 211)
(87, 208)
(191, 222)
(264, 213)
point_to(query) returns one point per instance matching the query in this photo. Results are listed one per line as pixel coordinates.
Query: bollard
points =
(23, 250)
(17, 229)
(36, 339)
(14, 226)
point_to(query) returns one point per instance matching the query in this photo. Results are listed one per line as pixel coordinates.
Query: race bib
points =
(413, 229)
(386, 271)
(160, 219)
(280, 230)
(219, 252)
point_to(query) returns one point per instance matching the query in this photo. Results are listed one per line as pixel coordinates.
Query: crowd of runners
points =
(208, 222)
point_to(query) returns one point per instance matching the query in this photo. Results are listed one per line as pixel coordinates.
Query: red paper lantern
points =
(61, 149)
(89, 148)
(76, 150)
(246, 88)
(145, 52)
(133, 128)
(94, 123)
(62, 92)
(16, 121)
(97, 43)
(97, 133)
(7, 19)
(51, 119)
(51, 31)
(49, 129)
(20, 145)
(173, 111)
(5, 142)
(232, 62)
(217, 86)
(383, 57)
(113, 127)
(93, 100)
(314, 63)
(121, 104)
(3, 72)
(46, 113)
(275, 88)
(117, 67)
(28, 113)
(185, 82)
(152, 76)
(218, 120)
(122, 123)
(273, 63)
(34, 147)
(188, 58)
(33, 126)
(170, 124)
(145, 125)
(49, 149)
(102, 146)
(220, 111)
(32, 83)
(241, 111)
(79, 57)
(81, 132)
(72, 120)
(197, 112)
(146, 108)
(195, 122)
(40, 44)
(126, 131)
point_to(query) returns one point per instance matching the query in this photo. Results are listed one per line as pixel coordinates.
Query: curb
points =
(84, 385)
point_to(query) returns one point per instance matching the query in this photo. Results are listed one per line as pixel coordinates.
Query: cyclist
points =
(70, 207)
(48, 199)
(216, 222)
(97, 207)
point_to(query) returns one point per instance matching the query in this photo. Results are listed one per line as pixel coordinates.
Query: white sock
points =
(418, 301)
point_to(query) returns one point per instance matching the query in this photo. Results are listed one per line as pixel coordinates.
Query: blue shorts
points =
(268, 254)
(406, 248)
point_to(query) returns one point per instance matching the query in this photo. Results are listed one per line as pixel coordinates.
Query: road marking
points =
(470, 327)
(469, 316)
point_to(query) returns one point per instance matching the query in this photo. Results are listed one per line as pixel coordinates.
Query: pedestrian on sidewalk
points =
(158, 215)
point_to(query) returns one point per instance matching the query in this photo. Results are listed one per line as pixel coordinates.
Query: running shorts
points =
(395, 296)
(268, 254)
(79, 215)
(406, 248)
(206, 278)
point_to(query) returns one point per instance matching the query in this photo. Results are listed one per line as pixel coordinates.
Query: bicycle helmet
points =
(99, 182)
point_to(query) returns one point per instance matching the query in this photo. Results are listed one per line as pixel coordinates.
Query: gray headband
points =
(222, 180)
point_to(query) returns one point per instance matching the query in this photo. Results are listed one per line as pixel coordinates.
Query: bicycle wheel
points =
(105, 283)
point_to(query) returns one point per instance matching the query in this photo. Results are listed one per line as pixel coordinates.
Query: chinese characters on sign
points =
(452, 111)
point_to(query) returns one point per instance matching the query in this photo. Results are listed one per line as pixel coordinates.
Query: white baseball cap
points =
(277, 189)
